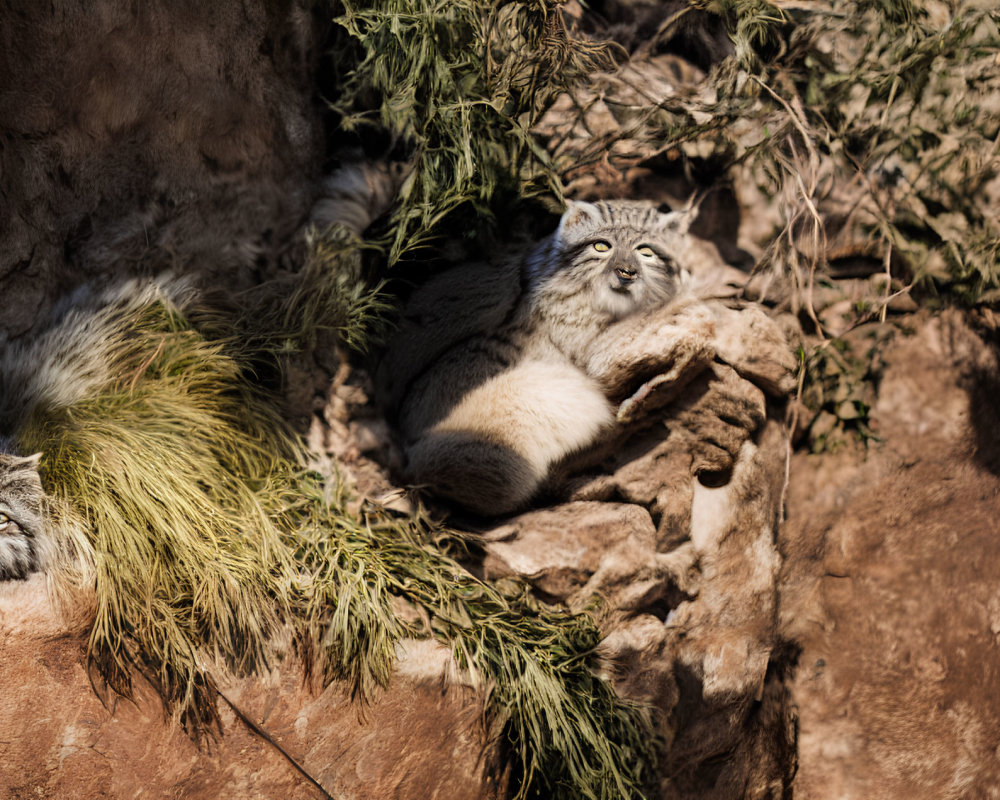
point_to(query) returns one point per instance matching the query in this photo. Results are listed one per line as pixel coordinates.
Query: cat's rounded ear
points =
(578, 215)
(29, 461)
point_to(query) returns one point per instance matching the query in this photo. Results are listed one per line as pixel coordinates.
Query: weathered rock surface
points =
(152, 136)
(689, 609)
(890, 583)
(423, 739)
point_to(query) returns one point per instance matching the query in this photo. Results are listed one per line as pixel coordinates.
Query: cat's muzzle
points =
(626, 275)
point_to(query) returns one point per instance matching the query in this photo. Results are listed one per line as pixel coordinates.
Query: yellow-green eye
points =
(602, 247)
(646, 251)
(4, 519)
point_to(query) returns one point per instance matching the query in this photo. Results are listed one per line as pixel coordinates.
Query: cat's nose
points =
(626, 274)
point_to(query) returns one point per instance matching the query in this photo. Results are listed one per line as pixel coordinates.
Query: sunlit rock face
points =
(889, 581)
(418, 740)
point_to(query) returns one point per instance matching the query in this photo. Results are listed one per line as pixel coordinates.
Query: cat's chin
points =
(615, 303)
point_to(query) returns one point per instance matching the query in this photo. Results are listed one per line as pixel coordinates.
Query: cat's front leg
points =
(654, 354)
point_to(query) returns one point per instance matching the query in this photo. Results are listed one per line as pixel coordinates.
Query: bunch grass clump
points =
(332, 292)
(209, 549)
(163, 466)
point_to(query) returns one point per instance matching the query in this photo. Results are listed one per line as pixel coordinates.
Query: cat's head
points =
(21, 516)
(624, 252)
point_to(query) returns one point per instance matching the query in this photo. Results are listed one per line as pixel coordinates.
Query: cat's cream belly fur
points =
(495, 447)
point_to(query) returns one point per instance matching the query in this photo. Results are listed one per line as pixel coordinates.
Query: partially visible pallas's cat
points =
(499, 371)
(21, 518)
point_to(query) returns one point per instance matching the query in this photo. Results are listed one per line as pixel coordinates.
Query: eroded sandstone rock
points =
(684, 572)
(890, 583)
(422, 739)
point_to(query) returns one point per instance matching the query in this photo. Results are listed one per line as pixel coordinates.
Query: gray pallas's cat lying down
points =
(501, 371)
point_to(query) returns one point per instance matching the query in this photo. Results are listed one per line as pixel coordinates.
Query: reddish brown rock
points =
(890, 584)
(420, 739)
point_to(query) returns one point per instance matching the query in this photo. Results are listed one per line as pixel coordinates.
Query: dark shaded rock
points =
(149, 136)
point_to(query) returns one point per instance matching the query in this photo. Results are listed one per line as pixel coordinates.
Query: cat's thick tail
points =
(73, 358)
(357, 194)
